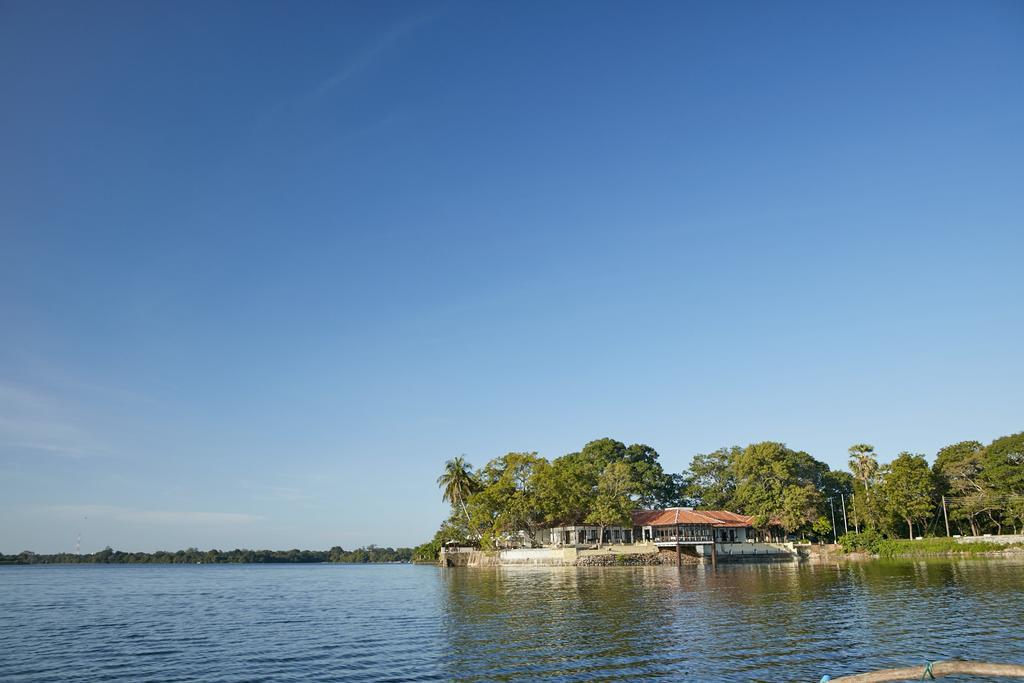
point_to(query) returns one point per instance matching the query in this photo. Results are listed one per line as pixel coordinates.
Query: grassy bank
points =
(876, 544)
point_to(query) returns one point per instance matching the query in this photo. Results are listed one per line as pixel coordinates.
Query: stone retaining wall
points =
(1005, 539)
(828, 552)
(727, 550)
(689, 555)
(541, 557)
(639, 555)
(621, 560)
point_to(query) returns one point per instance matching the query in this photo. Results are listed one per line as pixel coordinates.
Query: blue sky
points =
(264, 267)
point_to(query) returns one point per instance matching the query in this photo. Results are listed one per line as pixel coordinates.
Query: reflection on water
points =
(772, 622)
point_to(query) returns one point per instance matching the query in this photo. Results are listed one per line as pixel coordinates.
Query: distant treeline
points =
(369, 554)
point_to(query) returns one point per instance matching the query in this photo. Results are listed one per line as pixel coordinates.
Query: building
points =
(669, 528)
(584, 535)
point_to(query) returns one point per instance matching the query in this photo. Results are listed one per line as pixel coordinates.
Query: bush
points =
(932, 546)
(873, 542)
(866, 541)
(428, 552)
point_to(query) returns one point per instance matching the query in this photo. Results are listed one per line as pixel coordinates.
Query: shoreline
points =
(649, 556)
(858, 556)
(194, 564)
(602, 560)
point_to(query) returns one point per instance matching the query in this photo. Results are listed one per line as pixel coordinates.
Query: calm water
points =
(402, 623)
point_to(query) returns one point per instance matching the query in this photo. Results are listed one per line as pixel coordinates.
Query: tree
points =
(776, 483)
(864, 465)
(567, 488)
(710, 481)
(605, 450)
(822, 527)
(835, 483)
(859, 509)
(613, 503)
(907, 488)
(1003, 472)
(801, 505)
(654, 487)
(507, 501)
(1003, 460)
(761, 477)
(958, 473)
(458, 483)
(1015, 512)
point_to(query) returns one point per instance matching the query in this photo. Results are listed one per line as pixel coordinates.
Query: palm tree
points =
(458, 483)
(863, 465)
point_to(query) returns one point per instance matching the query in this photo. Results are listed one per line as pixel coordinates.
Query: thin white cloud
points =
(134, 515)
(274, 493)
(351, 136)
(359, 63)
(370, 55)
(11, 394)
(35, 420)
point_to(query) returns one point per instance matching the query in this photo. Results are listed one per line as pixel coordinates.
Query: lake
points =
(772, 622)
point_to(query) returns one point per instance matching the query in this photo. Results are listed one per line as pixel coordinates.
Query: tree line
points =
(512, 497)
(369, 554)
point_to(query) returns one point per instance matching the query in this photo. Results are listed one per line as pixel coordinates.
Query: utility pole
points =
(846, 527)
(853, 502)
(835, 538)
(945, 515)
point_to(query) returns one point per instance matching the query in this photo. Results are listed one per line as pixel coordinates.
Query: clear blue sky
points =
(264, 267)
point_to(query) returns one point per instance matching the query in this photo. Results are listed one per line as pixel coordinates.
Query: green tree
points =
(613, 503)
(822, 528)
(862, 515)
(507, 501)
(958, 474)
(775, 483)
(654, 487)
(864, 466)
(1003, 473)
(907, 488)
(801, 506)
(566, 489)
(458, 483)
(835, 483)
(710, 481)
(1015, 512)
(606, 450)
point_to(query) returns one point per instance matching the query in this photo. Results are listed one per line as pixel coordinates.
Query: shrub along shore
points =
(873, 543)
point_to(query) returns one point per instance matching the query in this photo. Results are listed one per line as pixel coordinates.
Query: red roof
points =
(673, 516)
(729, 519)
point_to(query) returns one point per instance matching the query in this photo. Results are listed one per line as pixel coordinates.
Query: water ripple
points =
(404, 623)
